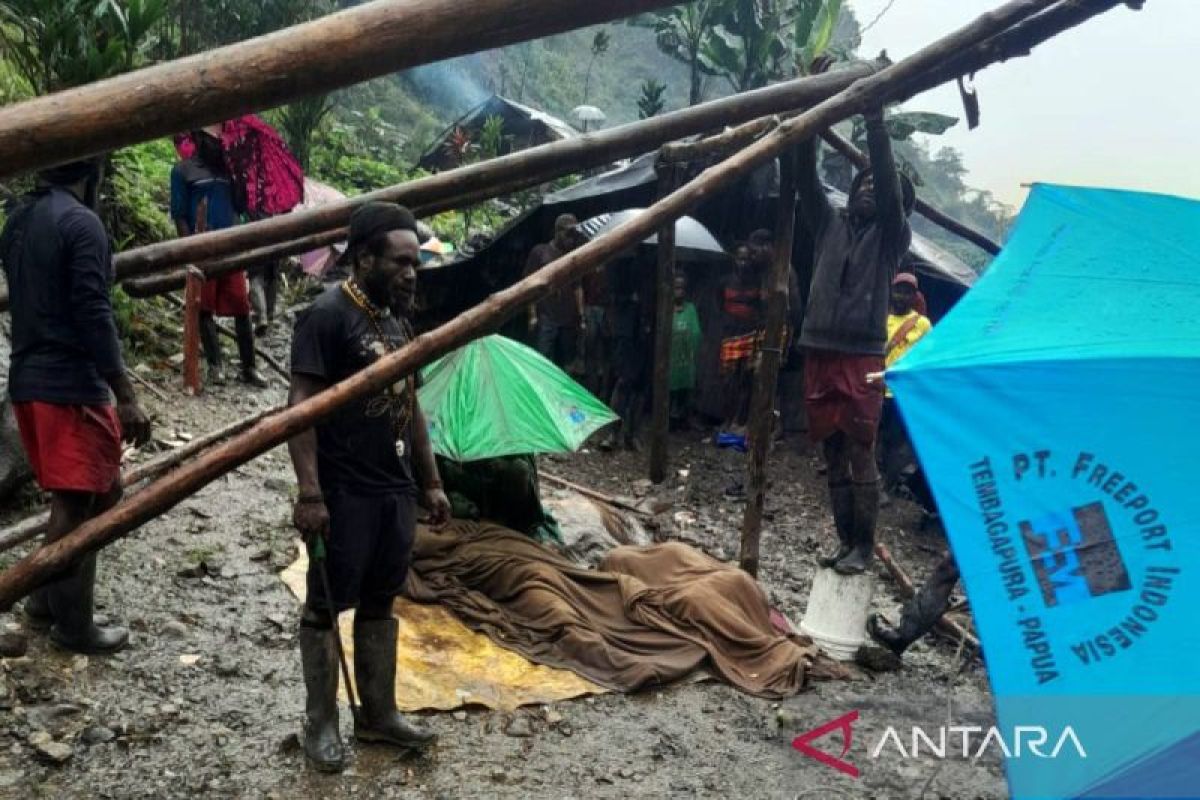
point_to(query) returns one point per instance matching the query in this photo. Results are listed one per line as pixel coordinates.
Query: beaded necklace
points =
(400, 410)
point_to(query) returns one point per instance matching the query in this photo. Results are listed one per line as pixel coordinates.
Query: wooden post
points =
(332, 52)
(664, 314)
(191, 332)
(762, 402)
(37, 567)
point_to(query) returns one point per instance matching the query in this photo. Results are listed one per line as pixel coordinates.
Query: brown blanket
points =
(653, 616)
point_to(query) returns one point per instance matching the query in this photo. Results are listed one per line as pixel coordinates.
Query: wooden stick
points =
(859, 159)
(945, 625)
(593, 494)
(30, 527)
(770, 358)
(332, 52)
(147, 385)
(719, 144)
(660, 397)
(191, 331)
(39, 566)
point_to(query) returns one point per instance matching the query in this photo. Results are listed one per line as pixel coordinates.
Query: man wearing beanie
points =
(360, 473)
(856, 253)
(66, 367)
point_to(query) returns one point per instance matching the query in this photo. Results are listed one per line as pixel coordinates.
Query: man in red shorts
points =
(203, 199)
(66, 358)
(855, 255)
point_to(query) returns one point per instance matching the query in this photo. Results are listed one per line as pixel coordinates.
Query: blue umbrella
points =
(1055, 410)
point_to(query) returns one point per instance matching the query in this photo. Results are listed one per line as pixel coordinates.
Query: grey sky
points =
(1113, 102)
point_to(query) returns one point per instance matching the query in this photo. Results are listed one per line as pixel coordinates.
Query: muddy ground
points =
(205, 701)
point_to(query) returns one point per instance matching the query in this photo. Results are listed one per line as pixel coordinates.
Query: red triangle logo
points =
(844, 723)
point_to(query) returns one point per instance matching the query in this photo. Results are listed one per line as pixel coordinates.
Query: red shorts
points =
(71, 448)
(837, 396)
(226, 295)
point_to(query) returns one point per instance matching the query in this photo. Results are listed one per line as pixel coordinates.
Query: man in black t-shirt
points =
(360, 473)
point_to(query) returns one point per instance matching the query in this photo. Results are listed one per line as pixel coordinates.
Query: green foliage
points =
(651, 102)
(139, 185)
(300, 120)
(56, 44)
(600, 44)
(680, 32)
(491, 137)
(815, 26)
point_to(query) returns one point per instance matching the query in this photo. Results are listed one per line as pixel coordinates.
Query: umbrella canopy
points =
(588, 114)
(1054, 411)
(497, 397)
(316, 262)
(692, 240)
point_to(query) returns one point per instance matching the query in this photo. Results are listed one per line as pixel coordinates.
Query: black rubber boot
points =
(210, 342)
(841, 499)
(322, 740)
(71, 604)
(245, 343)
(922, 612)
(375, 675)
(866, 512)
(37, 610)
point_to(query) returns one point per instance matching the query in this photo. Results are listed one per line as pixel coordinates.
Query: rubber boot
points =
(866, 512)
(841, 499)
(318, 658)
(375, 675)
(37, 610)
(245, 343)
(71, 604)
(921, 613)
(210, 342)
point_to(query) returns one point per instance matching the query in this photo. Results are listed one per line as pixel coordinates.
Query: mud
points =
(206, 701)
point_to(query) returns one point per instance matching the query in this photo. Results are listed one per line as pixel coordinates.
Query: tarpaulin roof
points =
(1054, 411)
(524, 127)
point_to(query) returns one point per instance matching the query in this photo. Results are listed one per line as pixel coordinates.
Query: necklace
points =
(400, 409)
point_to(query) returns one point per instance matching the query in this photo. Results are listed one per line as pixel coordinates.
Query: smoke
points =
(449, 85)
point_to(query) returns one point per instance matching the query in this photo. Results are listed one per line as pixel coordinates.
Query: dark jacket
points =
(853, 262)
(59, 269)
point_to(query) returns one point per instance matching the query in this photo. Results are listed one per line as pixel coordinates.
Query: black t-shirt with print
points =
(356, 447)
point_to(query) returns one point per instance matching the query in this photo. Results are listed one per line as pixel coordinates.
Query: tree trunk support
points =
(668, 181)
(770, 356)
(191, 332)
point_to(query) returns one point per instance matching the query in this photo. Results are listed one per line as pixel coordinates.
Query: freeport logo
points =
(968, 742)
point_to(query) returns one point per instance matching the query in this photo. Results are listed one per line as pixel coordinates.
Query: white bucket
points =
(836, 617)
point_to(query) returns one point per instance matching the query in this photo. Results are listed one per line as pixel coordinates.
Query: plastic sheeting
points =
(1055, 410)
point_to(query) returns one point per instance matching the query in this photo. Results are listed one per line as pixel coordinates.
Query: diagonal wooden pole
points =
(39, 566)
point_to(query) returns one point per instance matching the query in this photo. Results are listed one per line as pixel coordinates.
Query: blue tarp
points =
(1055, 411)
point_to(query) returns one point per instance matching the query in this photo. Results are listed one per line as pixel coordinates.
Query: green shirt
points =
(685, 344)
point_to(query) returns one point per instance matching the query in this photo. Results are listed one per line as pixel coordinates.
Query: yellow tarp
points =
(441, 664)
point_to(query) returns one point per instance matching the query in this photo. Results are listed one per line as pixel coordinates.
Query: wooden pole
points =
(30, 527)
(223, 329)
(39, 566)
(770, 357)
(191, 331)
(859, 159)
(594, 495)
(332, 52)
(486, 179)
(668, 179)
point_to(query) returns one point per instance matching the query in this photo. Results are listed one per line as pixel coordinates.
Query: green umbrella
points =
(497, 397)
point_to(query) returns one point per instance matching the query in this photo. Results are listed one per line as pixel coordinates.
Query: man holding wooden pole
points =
(360, 472)
(857, 251)
(66, 359)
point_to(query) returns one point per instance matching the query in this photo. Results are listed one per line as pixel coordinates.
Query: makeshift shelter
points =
(1066, 487)
(524, 127)
(730, 215)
